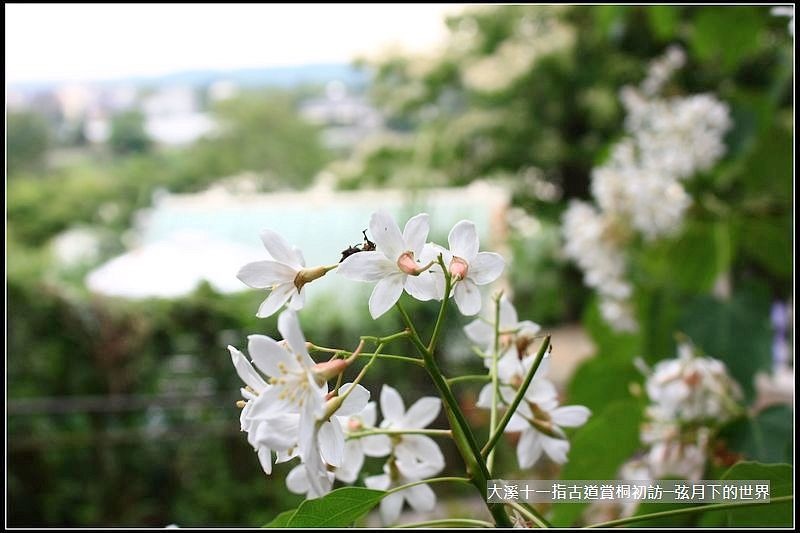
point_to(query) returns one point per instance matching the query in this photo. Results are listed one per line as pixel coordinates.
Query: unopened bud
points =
(307, 275)
(407, 264)
(240, 404)
(329, 369)
(354, 424)
(459, 268)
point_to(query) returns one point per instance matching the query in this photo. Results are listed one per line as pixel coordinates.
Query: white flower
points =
(285, 275)
(481, 330)
(299, 481)
(356, 448)
(322, 443)
(420, 497)
(296, 383)
(276, 433)
(394, 264)
(413, 452)
(692, 389)
(469, 267)
(538, 415)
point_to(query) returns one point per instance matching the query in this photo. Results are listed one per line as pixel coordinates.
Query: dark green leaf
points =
(772, 515)
(282, 520)
(664, 20)
(339, 508)
(713, 40)
(599, 381)
(766, 437)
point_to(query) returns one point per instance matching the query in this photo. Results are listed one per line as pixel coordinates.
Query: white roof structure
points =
(209, 236)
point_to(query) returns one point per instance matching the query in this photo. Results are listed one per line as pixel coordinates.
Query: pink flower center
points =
(459, 268)
(407, 264)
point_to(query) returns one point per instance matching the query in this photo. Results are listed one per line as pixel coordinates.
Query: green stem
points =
(378, 431)
(473, 377)
(495, 388)
(431, 480)
(490, 444)
(462, 435)
(688, 510)
(393, 357)
(437, 328)
(385, 340)
(448, 522)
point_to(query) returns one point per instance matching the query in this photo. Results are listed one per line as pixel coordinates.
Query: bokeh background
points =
(141, 168)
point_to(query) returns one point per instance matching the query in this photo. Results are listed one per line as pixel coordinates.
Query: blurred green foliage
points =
(128, 135)
(526, 95)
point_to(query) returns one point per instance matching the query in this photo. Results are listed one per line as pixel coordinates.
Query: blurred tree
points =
(27, 142)
(128, 133)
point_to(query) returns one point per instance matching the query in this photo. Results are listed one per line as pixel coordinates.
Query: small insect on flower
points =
(349, 251)
(368, 245)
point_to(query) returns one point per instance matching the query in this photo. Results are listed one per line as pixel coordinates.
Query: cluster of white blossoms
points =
(538, 418)
(288, 409)
(639, 190)
(690, 395)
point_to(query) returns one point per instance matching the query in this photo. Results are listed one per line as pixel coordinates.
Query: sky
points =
(82, 42)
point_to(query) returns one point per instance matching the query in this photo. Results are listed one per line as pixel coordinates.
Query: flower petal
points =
(289, 326)
(468, 297)
(376, 445)
(352, 463)
(268, 355)
(265, 458)
(297, 480)
(331, 443)
(369, 415)
(422, 412)
(246, 371)
(556, 449)
(516, 423)
(279, 249)
(277, 297)
(463, 240)
(391, 506)
(278, 433)
(480, 332)
(529, 448)
(416, 233)
(392, 405)
(425, 287)
(298, 300)
(486, 267)
(379, 482)
(508, 314)
(355, 402)
(421, 498)
(415, 449)
(265, 274)
(385, 294)
(386, 235)
(485, 397)
(270, 402)
(367, 266)
(570, 415)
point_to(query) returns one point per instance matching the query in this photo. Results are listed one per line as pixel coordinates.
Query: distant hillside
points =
(289, 76)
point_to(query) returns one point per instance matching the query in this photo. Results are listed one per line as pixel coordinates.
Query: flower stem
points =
(490, 444)
(344, 353)
(462, 435)
(388, 338)
(430, 480)
(448, 522)
(472, 377)
(379, 431)
(495, 388)
(689, 510)
(528, 512)
(437, 328)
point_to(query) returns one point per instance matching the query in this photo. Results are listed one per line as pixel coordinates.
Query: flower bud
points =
(458, 268)
(329, 369)
(407, 264)
(307, 275)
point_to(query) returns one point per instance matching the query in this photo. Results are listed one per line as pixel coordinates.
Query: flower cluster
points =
(506, 344)
(689, 396)
(639, 190)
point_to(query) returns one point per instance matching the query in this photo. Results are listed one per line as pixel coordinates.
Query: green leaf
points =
(713, 40)
(663, 20)
(598, 450)
(766, 437)
(339, 508)
(282, 520)
(690, 262)
(600, 381)
(737, 332)
(772, 515)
